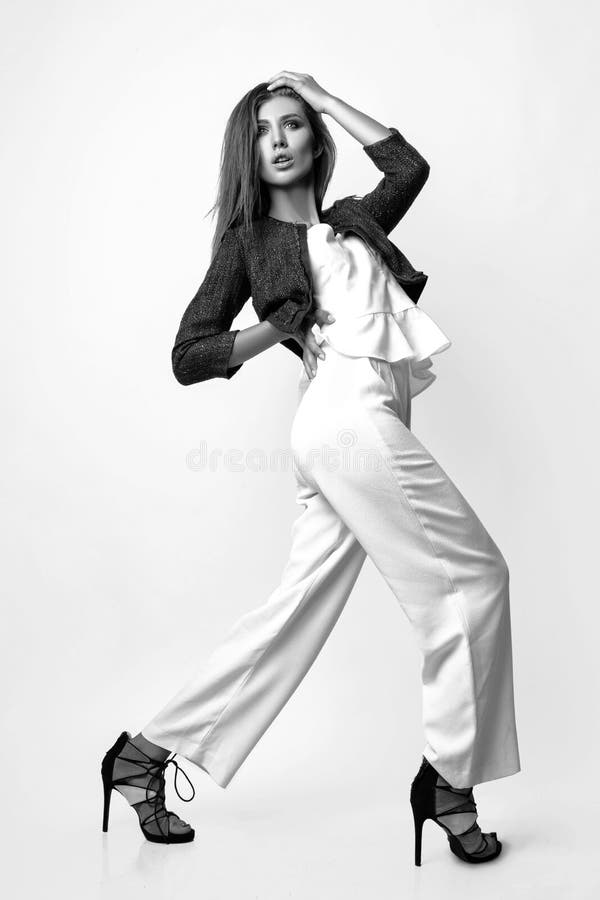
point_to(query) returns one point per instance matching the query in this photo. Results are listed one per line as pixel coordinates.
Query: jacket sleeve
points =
(405, 172)
(204, 342)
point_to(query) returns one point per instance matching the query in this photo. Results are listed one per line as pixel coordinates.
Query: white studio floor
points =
(273, 844)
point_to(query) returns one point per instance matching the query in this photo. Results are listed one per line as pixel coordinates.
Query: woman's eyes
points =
(295, 124)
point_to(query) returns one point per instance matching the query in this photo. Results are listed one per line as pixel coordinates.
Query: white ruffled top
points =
(374, 316)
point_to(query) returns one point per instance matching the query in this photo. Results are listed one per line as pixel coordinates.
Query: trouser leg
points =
(219, 715)
(442, 565)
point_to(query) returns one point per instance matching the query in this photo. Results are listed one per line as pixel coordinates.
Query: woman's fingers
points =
(310, 365)
(305, 336)
(312, 350)
(303, 84)
(314, 346)
(308, 358)
(322, 317)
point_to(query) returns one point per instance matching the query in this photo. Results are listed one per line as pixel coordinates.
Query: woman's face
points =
(282, 128)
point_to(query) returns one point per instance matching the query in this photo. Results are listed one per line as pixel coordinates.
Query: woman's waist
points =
(355, 301)
(373, 321)
(384, 334)
(348, 315)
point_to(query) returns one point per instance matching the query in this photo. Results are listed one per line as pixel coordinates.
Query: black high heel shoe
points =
(423, 802)
(153, 795)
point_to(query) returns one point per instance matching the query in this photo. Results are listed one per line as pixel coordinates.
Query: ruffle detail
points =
(374, 316)
(407, 334)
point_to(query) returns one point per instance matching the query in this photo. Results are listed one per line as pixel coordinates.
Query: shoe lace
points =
(155, 769)
(162, 768)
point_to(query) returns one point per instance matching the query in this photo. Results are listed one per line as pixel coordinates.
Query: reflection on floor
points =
(330, 843)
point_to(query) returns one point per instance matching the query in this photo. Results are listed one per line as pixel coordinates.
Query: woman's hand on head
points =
(306, 338)
(303, 84)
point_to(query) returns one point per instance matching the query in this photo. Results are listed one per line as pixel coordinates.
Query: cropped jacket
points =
(269, 262)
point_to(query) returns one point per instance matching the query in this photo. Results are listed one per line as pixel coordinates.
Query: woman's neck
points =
(290, 206)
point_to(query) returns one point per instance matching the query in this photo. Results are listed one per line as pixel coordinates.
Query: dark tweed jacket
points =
(269, 261)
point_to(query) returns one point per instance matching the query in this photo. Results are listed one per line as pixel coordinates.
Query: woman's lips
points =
(284, 164)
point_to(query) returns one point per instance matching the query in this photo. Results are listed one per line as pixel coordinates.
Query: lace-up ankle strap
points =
(156, 769)
(178, 769)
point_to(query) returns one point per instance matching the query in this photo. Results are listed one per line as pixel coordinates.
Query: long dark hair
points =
(241, 195)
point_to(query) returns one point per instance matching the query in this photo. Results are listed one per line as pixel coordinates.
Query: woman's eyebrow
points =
(288, 116)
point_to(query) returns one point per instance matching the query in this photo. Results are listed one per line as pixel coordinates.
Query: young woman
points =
(383, 495)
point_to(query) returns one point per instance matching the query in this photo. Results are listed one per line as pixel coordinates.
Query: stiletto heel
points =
(418, 835)
(152, 796)
(423, 803)
(107, 793)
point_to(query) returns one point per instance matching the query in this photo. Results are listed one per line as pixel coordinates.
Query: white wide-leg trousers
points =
(367, 486)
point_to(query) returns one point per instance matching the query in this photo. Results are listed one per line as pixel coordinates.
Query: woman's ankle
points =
(154, 750)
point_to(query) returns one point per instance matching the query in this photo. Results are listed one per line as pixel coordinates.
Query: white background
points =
(123, 566)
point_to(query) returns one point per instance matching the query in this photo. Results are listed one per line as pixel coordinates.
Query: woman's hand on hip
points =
(306, 338)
